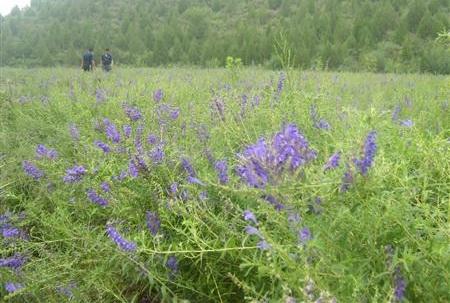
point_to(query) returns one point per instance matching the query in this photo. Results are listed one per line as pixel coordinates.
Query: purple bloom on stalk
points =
(222, 170)
(153, 222)
(31, 170)
(172, 264)
(280, 83)
(322, 124)
(15, 262)
(399, 285)
(194, 180)
(123, 244)
(42, 151)
(133, 170)
(74, 132)
(11, 287)
(10, 232)
(263, 245)
(333, 161)
(158, 95)
(273, 201)
(103, 146)
(152, 139)
(188, 167)
(111, 131)
(174, 188)
(105, 187)
(132, 112)
(175, 113)
(407, 123)
(304, 235)
(347, 180)
(127, 130)
(370, 148)
(95, 198)
(157, 155)
(218, 107)
(250, 230)
(250, 216)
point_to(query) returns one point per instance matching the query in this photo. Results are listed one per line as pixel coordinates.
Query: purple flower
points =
(399, 285)
(133, 170)
(333, 161)
(74, 174)
(31, 170)
(280, 84)
(263, 245)
(157, 155)
(105, 187)
(127, 130)
(158, 95)
(100, 95)
(123, 244)
(175, 113)
(15, 262)
(347, 180)
(188, 167)
(111, 131)
(10, 232)
(249, 216)
(222, 170)
(407, 123)
(74, 132)
(250, 230)
(153, 222)
(273, 201)
(370, 148)
(132, 112)
(304, 235)
(172, 264)
(174, 188)
(42, 151)
(11, 287)
(103, 146)
(95, 198)
(194, 180)
(152, 139)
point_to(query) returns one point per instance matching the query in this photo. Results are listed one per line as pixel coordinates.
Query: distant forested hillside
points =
(374, 35)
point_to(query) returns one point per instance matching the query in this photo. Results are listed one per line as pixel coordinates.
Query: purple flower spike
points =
(31, 170)
(263, 245)
(127, 130)
(370, 149)
(103, 146)
(333, 161)
(399, 286)
(105, 187)
(249, 216)
(172, 264)
(273, 201)
(222, 170)
(74, 174)
(194, 180)
(95, 198)
(111, 131)
(250, 230)
(14, 262)
(153, 222)
(158, 95)
(132, 112)
(304, 235)
(152, 139)
(407, 123)
(133, 170)
(10, 232)
(175, 113)
(11, 287)
(123, 244)
(188, 167)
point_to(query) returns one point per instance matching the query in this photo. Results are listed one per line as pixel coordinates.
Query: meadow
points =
(223, 185)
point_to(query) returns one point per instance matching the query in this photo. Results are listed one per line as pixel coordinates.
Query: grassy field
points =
(191, 185)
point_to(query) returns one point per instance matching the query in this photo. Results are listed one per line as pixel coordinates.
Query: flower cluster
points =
(254, 231)
(132, 112)
(44, 152)
(31, 170)
(370, 148)
(263, 162)
(95, 198)
(111, 131)
(318, 122)
(153, 222)
(333, 161)
(222, 170)
(74, 174)
(123, 244)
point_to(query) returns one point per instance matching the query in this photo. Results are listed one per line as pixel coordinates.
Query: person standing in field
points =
(107, 60)
(88, 62)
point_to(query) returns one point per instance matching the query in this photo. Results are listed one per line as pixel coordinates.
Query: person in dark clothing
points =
(88, 62)
(107, 60)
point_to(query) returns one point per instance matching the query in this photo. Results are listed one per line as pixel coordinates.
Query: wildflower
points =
(153, 222)
(103, 146)
(304, 235)
(399, 285)
(250, 230)
(31, 170)
(105, 187)
(66, 290)
(132, 112)
(333, 161)
(221, 168)
(347, 180)
(175, 113)
(172, 264)
(42, 151)
(11, 287)
(158, 95)
(123, 244)
(15, 262)
(263, 245)
(74, 174)
(152, 139)
(10, 232)
(133, 170)
(280, 85)
(174, 188)
(100, 95)
(188, 167)
(273, 201)
(218, 107)
(111, 131)
(407, 123)
(194, 180)
(95, 198)
(250, 216)
(370, 148)
(209, 156)
(318, 122)
(74, 132)
(127, 130)
(157, 155)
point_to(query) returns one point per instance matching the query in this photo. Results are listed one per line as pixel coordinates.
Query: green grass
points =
(404, 200)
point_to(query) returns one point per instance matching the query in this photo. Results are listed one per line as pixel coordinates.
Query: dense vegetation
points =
(386, 35)
(189, 185)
